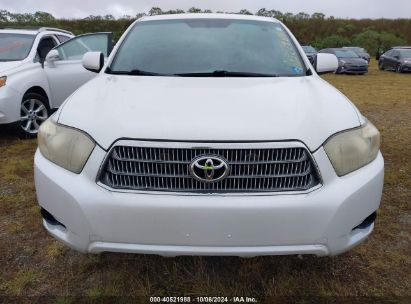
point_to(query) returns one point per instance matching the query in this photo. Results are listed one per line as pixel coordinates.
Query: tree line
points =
(315, 29)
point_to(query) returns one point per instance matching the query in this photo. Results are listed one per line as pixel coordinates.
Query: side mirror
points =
(93, 61)
(326, 63)
(52, 56)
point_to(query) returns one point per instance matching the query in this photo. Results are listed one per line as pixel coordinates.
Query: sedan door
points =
(395, 60)
(390, 60)
(65, 73)
(384, 60)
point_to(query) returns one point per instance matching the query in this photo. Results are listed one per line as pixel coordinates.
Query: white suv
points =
(209, 134)
(35, 81)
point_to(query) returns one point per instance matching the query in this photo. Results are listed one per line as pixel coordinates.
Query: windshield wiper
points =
(217, 73)
(134, 72)
(223, 73)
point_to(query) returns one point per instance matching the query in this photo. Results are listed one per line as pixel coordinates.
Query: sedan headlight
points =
(353, 149)
(67, 147)
(3, 80)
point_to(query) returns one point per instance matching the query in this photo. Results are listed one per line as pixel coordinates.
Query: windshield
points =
(345, 54)
(14, 47)
(309, 49)
(405, 53)
(201, 46)
(357, 49)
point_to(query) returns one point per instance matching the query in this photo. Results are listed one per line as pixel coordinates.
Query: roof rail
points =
(38, 29)
(52, 29)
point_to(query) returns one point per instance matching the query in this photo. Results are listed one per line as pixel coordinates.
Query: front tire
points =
(381, 65)
(34, 111)
(399, 68)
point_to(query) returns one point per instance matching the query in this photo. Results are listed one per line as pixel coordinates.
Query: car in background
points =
(396, 59)
(311, 53)
(359, 51)
(348, 61)
(39, 69)
(181, 146)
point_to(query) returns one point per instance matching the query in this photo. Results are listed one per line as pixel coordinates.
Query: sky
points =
(337, 8)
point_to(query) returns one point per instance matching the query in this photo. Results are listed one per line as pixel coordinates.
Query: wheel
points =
(381, 65)
(399, 68)
(33, 112)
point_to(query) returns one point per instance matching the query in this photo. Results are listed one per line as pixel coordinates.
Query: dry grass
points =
(22, 280)
(33, 264)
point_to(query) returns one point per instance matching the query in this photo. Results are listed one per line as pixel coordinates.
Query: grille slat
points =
(251, 170)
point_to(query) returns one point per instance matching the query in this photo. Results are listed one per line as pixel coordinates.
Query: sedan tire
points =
(399, 68)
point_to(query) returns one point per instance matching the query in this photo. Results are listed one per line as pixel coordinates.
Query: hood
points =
(111, 107)
(5, 66)
(359, 61)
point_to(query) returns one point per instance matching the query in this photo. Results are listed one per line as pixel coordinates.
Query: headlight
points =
(69, 148)
(3, 81)
(353, 149)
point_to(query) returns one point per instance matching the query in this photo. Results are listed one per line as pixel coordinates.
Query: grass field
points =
(33, 264)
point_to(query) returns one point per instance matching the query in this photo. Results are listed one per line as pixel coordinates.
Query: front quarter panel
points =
(29, 75)
(19, 81)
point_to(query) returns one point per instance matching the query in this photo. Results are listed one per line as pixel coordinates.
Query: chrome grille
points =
(167, 169)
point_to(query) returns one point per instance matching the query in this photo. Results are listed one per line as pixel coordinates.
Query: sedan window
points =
(389, 53)
(405, 53)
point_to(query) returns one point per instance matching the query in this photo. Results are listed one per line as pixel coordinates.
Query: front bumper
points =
(406, 68)
(319, 222)
(352, 70)
(10, 102)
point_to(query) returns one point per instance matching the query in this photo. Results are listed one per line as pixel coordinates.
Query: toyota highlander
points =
(209, 134)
